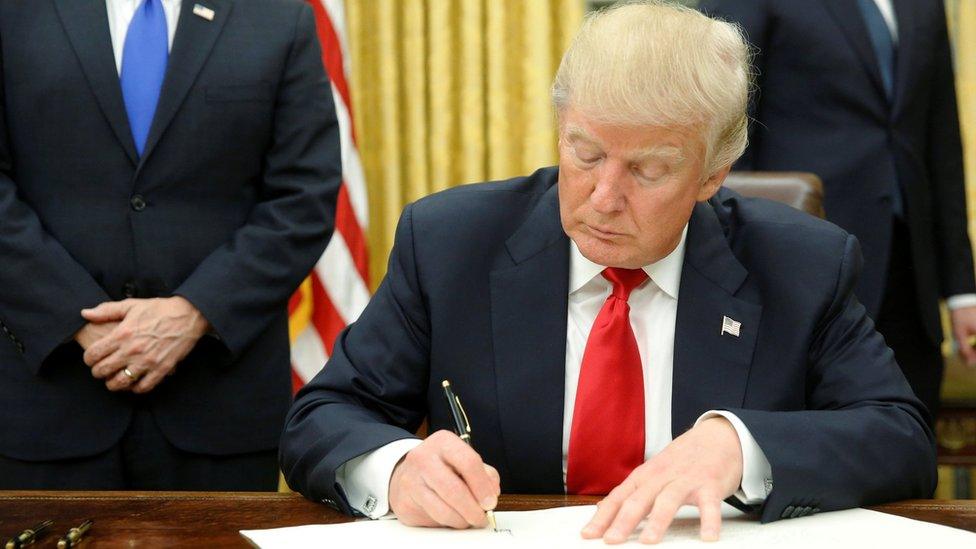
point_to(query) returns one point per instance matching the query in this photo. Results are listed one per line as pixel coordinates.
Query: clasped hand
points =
(443, 482)
(147, 337)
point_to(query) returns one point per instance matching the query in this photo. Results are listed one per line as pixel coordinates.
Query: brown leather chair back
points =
(802, 190)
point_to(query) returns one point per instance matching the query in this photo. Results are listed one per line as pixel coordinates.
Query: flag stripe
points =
(331, 51)
(352, 233)
(352, 168)
(325, 317)
(341, 280)
(337, 290)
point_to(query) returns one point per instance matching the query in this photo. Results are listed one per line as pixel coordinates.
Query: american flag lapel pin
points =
(730, 326)
(203, 11)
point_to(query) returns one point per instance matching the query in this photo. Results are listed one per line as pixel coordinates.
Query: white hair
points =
(652, 63)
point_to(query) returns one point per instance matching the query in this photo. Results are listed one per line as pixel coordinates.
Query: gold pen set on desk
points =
(29, 535)
(463, 428)
(70, 539)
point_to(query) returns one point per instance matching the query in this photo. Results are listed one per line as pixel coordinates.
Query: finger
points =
(666, 505)
(463, 459)
(606, 510)
(110, 365)
(632, 511)
(440, 512)
(452, 490)
(106, 345)
(148, 382)
(105, 312)
(121, 381)
(966, 350)
(710, 510)
(496, 479)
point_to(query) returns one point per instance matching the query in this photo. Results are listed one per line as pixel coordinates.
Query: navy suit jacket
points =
(822, 108)
(229, 206)
(477, 290)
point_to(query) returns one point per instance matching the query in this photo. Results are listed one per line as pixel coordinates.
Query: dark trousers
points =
(144, 460)
(900, 323)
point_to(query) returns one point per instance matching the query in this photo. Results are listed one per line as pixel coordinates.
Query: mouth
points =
(603, 233)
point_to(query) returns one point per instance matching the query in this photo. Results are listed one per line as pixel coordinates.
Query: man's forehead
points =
(657, 143)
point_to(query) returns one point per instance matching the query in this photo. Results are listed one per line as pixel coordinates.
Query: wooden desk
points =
(201, 519)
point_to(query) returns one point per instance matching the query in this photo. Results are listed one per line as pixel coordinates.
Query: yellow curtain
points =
(955, 433)
(448, 92)
(961, 16)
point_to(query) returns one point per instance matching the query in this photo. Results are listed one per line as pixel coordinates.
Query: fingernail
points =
(588, 530)
(613, 535)
(489, 503)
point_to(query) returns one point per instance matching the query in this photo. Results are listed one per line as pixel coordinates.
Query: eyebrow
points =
(576, 133)
(663, 152)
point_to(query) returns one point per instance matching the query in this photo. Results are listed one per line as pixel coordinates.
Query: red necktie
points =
(606, 442)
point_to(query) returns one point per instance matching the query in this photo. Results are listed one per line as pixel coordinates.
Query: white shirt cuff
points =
(365, 479)
(757, 475)
(962, 300)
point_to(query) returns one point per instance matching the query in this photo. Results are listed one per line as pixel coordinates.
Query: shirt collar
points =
(666, 272)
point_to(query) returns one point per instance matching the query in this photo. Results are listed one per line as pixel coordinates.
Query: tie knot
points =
(624, 280)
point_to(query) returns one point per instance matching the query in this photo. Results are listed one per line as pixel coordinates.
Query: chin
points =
(604, 253)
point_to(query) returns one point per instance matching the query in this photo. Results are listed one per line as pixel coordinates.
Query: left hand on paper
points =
(702, 467)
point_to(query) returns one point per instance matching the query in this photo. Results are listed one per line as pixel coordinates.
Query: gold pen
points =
(463, 428)
(28, 536)
(74, 535)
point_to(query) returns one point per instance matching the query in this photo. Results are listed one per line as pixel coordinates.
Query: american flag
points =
(337, 290)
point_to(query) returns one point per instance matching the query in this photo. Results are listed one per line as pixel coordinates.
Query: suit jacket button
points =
(138, 203)
(129, 289)
(787, 513)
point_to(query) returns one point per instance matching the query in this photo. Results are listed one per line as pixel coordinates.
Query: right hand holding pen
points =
(443, 482)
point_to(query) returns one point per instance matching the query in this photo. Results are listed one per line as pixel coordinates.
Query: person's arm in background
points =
(753, 16)
(944, 162)
(42, 287)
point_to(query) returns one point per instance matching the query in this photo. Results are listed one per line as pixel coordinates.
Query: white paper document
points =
(560, 527)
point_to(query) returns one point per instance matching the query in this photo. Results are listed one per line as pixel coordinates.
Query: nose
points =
(607, 196)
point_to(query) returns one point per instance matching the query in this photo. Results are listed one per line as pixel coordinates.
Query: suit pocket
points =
(239, 92)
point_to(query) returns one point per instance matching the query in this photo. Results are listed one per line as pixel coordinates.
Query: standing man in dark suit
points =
(168, 174)
(617, 326)
(861, 92)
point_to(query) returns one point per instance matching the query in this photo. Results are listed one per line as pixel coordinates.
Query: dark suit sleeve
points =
(42, 288)
(855, 391)
(243, 284)
(372, 391)
(945, 166)
(754, 18)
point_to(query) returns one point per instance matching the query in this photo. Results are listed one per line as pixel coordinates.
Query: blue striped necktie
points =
(144, 58)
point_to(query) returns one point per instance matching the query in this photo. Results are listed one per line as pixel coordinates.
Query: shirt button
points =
(138, 203)
(129, 289)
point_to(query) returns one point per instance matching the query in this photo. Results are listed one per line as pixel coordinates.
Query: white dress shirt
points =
(120, 14)
(653, 309)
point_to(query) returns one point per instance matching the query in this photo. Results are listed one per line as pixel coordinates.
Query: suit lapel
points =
(529, 294)
(195, 38)
(905, 51)
(86, 24)
(848, 18)
(710, 368)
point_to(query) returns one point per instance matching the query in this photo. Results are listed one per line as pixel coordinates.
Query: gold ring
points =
(129, 373)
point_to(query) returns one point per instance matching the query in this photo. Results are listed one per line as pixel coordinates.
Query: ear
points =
(712, 184)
